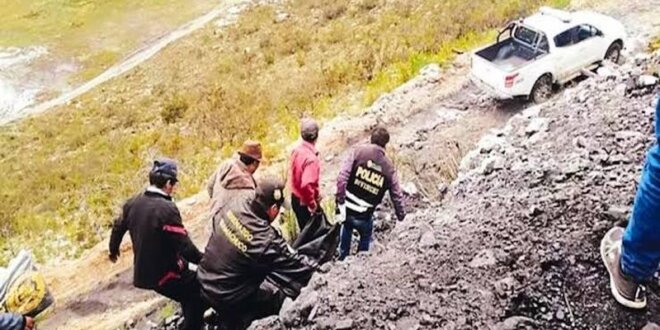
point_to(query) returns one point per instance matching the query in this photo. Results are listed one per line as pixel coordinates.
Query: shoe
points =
(625, 290)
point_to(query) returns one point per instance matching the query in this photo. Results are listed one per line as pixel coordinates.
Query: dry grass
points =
(69, 170)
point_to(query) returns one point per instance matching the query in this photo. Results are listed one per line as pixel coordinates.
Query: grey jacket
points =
(230, 181)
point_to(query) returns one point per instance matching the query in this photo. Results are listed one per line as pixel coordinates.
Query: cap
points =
(309, 129)
(251, 149)
(270, 191)
(165, 166)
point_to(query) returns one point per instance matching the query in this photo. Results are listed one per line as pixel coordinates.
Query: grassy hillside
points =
(68, 170)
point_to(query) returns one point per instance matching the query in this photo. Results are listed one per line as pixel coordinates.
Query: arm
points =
(396, 194)
(310, 183)
(12, 322)
(288, 269)
(342, 178)
(119, 228)
(178, 236)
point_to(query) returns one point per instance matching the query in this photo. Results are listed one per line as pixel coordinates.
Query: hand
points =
(113, 257)
(341, 215)
(323, 269)
(29, 323)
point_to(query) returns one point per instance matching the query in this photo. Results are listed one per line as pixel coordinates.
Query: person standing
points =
(161, 246)
(242, 252)
(234, 178)
(365, 175)
(304, 174)
(632, 256)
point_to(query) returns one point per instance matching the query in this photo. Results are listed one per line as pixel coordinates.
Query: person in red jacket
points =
(304, 174)
(161, 245)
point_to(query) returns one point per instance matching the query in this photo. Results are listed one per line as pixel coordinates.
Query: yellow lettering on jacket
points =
(241, 230)
(231, 237)
(370, 176)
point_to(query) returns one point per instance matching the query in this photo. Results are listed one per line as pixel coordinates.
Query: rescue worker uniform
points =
(366, 174)
(243, 251)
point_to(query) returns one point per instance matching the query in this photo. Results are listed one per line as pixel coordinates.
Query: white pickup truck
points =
(549, 48)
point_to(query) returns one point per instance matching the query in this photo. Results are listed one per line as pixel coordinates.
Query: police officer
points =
(365, 176)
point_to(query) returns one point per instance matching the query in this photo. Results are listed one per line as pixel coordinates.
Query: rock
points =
(329, 158)
(536, 125)
(617, 212)
(515, 323)
(410, 189)
(428, 240)
(651, 326)
(485, 258)
(560, 315)
(298, 309)
(407, 323)
(647, 81)
(345, 324)
(505, 286)
(281, 17)
(607, 72)
(442, 188)
(534, 211)
(287, 312)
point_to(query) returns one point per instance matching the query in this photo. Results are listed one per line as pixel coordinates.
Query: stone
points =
(647, 81)
(651, 326)
(515, 323)
(485, 258)
(345, 324)
(536, 125)
(428, 240)
(410, 189)
(505, 286)
(407, 323)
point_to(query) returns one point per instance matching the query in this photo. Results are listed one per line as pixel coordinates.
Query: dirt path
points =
(227, 8)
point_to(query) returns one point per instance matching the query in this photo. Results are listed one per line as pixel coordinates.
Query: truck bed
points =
(509, 55)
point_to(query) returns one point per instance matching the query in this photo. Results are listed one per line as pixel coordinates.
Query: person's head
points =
(250, 155)
(309, 130)
(163, 175)
(380, 136)
(269, 197)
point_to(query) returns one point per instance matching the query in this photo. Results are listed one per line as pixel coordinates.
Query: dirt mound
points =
(516, 243)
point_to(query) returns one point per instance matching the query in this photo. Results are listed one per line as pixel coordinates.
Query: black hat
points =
(270, 192)
(165, 166)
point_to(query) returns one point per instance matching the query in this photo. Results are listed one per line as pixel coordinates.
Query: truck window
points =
(567, 38)
(525, 35)
(543, 44)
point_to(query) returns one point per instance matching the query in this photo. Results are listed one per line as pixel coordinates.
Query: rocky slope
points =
(515, 243)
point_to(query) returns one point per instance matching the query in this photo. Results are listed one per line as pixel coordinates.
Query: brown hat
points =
(251, 149)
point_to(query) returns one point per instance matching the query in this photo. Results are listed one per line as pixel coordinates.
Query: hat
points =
(309, 129)
(251, 149)
(270, 191)
(165, 166)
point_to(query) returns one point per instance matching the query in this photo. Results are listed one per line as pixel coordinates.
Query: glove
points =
(341, 213)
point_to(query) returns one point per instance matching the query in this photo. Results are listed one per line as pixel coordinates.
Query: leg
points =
(640, 255)
(366, 229)
(186, 291)
(301, 212)
(346, 236)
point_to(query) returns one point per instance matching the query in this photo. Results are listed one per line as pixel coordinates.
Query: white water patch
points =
(16, 90)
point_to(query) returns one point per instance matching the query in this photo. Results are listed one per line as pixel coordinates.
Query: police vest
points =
(366, 187)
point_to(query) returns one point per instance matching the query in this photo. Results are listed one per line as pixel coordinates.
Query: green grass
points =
(69, 170)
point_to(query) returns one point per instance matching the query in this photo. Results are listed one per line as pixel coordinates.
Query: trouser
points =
(364, 226)
(640, 257)
(186, 291)
(301, 211)
(265, 302)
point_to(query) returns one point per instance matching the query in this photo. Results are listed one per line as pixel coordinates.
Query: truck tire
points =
(613, 53)
(542, 90)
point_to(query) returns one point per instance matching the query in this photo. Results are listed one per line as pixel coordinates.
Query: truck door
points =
(567, 56)
(590, 45)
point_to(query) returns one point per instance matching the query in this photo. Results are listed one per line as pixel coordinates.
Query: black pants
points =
(265, 302)
(302, 213)
(186, 291)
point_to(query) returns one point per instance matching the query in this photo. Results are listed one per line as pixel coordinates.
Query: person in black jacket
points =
(161, 246)
(243, 251)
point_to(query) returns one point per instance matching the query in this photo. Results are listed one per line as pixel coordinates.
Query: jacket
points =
(304, 174)
(230, 180)
(242, 252)
(161, 245)
(365, 175)
(12, 321)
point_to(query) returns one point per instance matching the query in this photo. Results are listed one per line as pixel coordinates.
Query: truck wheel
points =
(613, 53)
(542, 90)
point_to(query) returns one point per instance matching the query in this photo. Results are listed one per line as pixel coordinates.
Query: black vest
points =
(366, 187)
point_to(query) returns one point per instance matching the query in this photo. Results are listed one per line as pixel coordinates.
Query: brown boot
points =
(625, 290)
